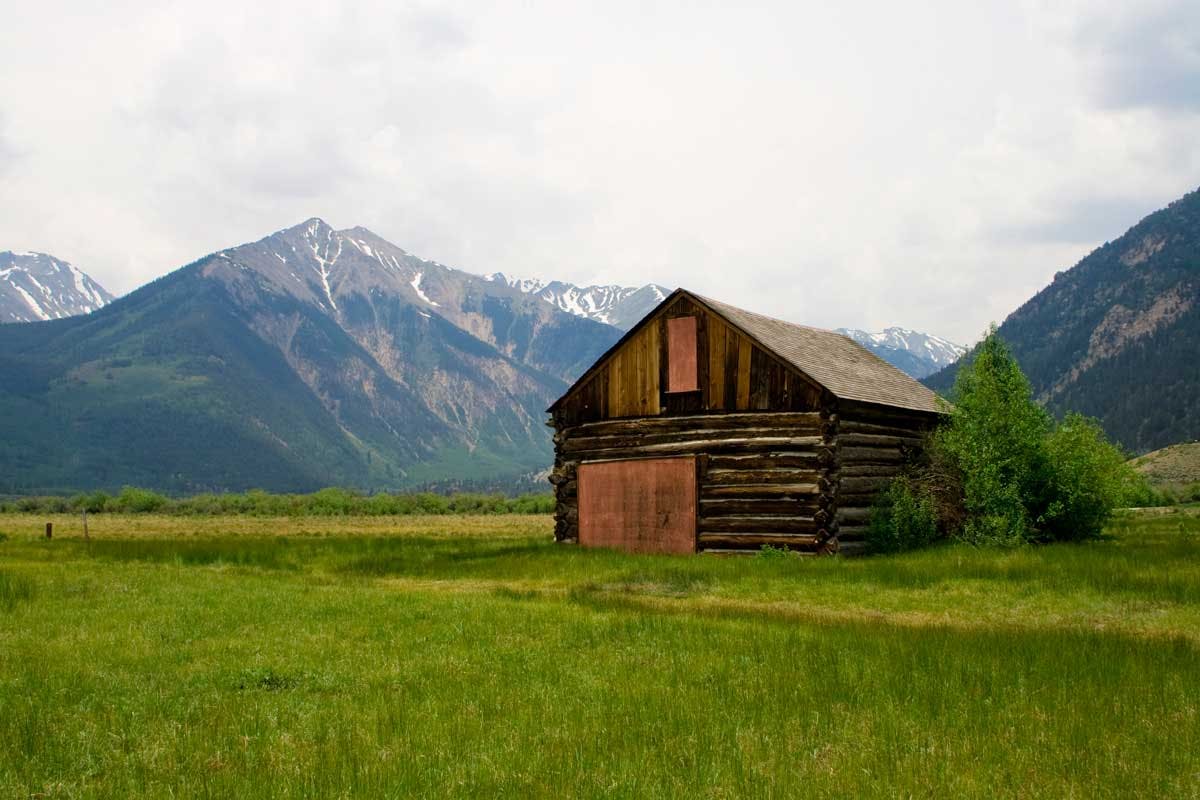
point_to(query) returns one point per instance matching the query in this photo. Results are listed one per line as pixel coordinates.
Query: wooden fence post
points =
(85, 530)
(49, 529)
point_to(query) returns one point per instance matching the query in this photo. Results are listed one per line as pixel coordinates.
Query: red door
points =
(645, 505)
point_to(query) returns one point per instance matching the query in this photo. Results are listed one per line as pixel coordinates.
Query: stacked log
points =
(759, 480)
(829, 485)
(876, 443)
(804, 481)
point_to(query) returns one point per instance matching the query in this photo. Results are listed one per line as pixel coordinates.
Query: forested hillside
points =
(1117, 336)
(311, 358)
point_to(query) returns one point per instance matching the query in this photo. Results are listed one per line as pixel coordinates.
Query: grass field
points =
(450, 656)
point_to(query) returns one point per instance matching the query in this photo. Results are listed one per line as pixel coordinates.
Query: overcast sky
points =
(930, 165)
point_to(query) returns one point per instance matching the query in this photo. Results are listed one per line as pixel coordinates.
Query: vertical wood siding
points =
(732, 374)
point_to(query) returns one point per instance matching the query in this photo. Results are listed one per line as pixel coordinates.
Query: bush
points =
(904, 518)
(1000, 472)
(132, 500)
(91, 502)
(1089, 479)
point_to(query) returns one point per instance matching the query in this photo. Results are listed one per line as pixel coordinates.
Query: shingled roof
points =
(840, 364)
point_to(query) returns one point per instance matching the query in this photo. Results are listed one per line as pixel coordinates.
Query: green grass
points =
(470, 656)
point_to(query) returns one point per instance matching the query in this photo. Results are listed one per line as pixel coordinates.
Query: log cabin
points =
(708, 428)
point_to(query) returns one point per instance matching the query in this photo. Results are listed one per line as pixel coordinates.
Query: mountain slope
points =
(621, 306)
(918, 354)
(36, 286)
(1174, 466)
(309, 358)
(1117, 335)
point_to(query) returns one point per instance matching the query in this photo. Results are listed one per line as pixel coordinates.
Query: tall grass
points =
(207, 665)
(14, 589)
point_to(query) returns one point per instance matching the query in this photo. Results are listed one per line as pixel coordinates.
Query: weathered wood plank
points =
(756, 540)
(772, 525)
(850, 516)
(761, 490)
(878, 455)
(716, 364)
(768, 460)
(732, 345)
(734, 506)
(660, 437)
(799, 421)
(694, 446)
(878, 440)
(854, 470)
(866, 484)
(730, 477)
(857, 426)
(852, 533)
(743, 374)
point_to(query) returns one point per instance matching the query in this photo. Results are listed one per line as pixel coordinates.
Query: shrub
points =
(332, 501)
(1000, 472)
(769, 552)
(1089, 479)
(91, 502)
(133, 500)
(904, 518)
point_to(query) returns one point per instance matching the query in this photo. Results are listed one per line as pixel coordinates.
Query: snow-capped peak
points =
(620, 306)
(918, 354)
(38, 286)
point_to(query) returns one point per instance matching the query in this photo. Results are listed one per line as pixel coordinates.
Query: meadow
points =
(236, 656)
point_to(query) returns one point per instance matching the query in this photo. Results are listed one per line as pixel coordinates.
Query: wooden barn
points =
(710, 428)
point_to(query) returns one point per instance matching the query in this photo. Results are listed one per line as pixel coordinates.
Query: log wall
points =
(763, 478)
(874, 444)
(800, 480)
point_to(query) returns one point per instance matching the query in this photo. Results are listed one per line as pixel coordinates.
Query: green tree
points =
(996, 437)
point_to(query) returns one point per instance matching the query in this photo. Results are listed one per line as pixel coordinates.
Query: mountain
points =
(918, 354)
(621, 306)
(1117, 336)
(309, 358)
(36, 286)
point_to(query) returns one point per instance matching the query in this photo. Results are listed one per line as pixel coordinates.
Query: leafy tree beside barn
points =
(1001, 470)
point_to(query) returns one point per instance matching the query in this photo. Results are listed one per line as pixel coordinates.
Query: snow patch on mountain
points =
(416, 285)
(918, 354)
(620, 306)
(37, 286)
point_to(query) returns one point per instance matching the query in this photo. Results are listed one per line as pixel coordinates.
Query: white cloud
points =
(856, 164)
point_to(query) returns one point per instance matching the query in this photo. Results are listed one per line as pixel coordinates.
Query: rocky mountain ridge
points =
(38, 286)
(918, 354)
(1117, 335)
(309, 358)
(620, 306)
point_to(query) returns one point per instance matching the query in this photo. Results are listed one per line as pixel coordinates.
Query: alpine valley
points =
(313, 357)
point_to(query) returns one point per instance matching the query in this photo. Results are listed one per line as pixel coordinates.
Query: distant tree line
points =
(326, 502)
